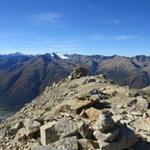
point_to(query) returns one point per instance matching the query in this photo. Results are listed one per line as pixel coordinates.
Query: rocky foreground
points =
(81, 112)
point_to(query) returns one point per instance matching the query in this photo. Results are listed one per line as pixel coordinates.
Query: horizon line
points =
(57, 53)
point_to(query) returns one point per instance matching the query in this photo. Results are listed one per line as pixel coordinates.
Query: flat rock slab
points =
(53, 131)
(48, 134)
(82, 104)
(69, 143)
(93, 114)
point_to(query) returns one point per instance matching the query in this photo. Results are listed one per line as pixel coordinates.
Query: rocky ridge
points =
(81, 112)
(24, 77)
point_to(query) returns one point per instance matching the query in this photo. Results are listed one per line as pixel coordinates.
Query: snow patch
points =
(62, 56)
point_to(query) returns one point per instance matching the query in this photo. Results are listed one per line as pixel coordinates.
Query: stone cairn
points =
(78, 73)
(111, 135)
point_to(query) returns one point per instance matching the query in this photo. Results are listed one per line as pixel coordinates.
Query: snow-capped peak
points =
(62, 56)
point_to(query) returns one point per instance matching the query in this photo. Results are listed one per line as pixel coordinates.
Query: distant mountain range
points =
(23, 77)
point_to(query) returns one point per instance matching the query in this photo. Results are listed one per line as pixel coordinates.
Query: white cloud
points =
(98, 37)
(126, 37)
(51, 17)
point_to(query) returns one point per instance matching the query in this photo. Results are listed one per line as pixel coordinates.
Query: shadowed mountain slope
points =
(23, 77)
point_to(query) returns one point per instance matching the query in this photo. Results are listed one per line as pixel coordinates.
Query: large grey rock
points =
(53, 131)
(21, 135)
(107, 137)
(78, 105)
(142, 125)
(66, 127)
(127, 138)
(15, 128)
(85, 130)
(32, 127)
(48, 133)
(93, 114)
(142, 103)
(78, 72)
(105, 121)
(69, 143)
(113, 136)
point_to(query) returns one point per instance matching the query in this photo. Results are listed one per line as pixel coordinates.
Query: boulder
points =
(127, 139)
(48, 134)
(32, 127)
(105, 121)
(142, 103)
(107, 137)
(66, 127)
(21, 135)
(85, 130)
(78, 72)
(15, 128)
(53, 131)
(79, 105)
(113, 136)
(127, 136)
(143, 125)
(69, 143)
(92, 114)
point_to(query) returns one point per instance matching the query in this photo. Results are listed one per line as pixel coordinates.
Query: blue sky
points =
(104, 27)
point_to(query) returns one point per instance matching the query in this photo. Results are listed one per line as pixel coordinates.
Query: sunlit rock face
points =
(88, 112)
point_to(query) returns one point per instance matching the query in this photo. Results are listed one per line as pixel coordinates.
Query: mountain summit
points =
(79, 113)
